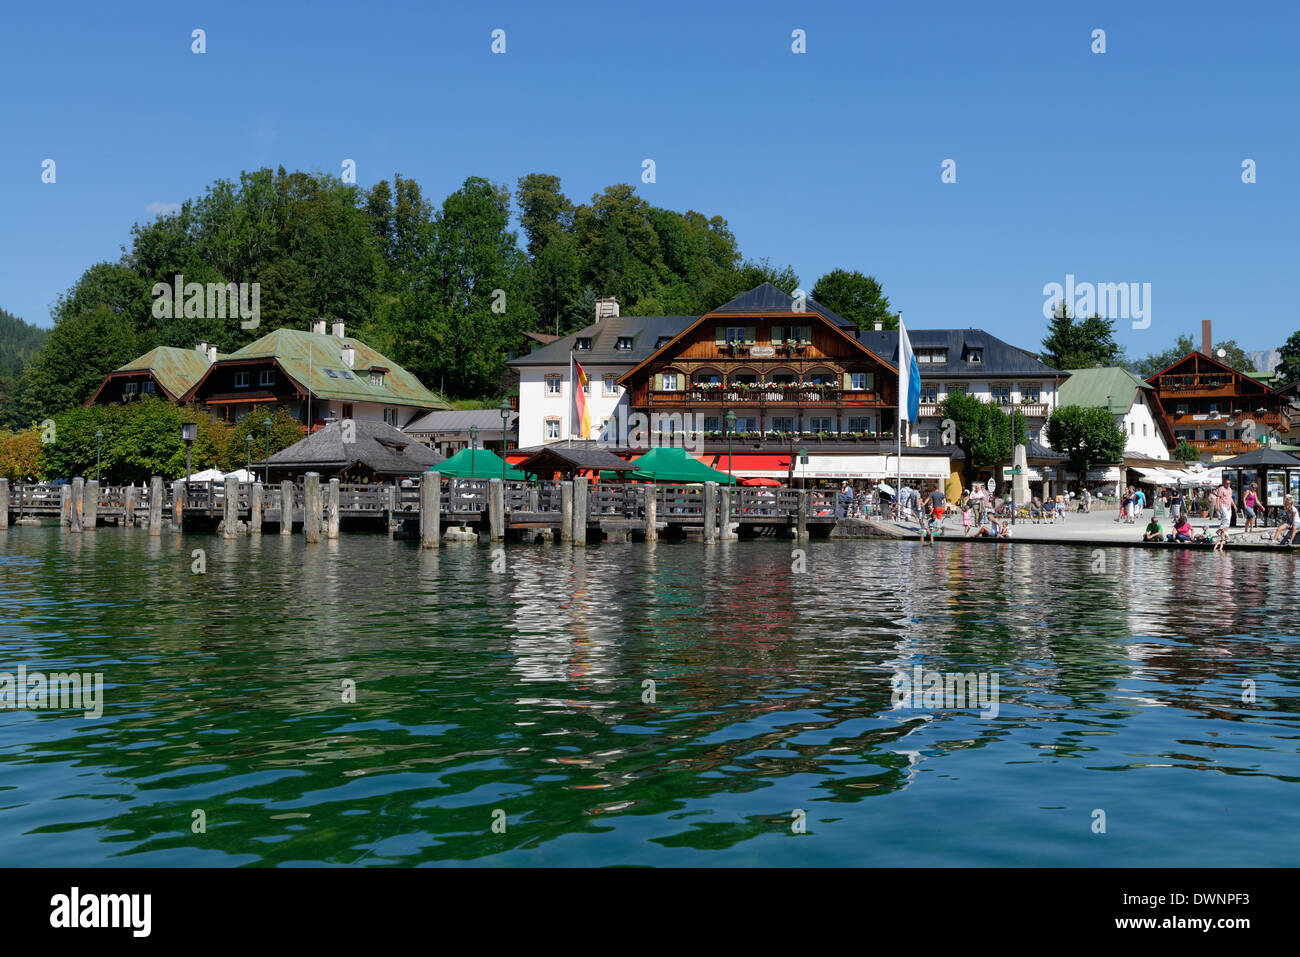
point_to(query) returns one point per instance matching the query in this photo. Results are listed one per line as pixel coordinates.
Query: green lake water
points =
(520, 697)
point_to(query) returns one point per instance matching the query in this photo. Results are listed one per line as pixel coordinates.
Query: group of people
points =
(1222, 503)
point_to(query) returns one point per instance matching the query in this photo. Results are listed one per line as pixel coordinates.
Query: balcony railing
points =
(754, 395)
(1223, 446)
(1217, 384)
(1028, 409)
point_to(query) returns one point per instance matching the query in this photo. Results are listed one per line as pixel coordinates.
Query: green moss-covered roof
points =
(315, 361)
(175, 369)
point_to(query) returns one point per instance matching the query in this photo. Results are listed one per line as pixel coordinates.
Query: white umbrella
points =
(208, 475)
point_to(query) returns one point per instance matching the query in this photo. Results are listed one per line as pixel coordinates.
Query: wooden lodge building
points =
(1221, 411)
(165, 373)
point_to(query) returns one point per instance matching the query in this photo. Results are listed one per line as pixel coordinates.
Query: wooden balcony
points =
(1222, 446)
(765, 397)
(1194, 386)
(1210, 420)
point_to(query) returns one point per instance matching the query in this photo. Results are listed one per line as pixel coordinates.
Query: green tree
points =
(1087, 436)
(985, 433)
(1080, 344)
(1234, 356)
(1186, 452)
(856, 297)
(82, 348)
(233, 453)
(1289, 368)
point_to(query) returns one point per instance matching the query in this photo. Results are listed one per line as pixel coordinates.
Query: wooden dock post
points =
(388, 500)
(710, 512)
(128, 506)
(534, 500)
(65, 506)
(255, 508)
(496, 510)
(90, 508)
(156, 504)
(78, 503)
(178, 504)
(311, 507)
(4, 503)
(566, 511)
(230, 507)
(801, 528)
(727, 533)
(286, 507)
(580, 511)
(332, 510)
(651, 513)
(430, 509)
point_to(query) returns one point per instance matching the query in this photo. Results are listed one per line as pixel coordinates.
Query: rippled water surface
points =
(1121, 678)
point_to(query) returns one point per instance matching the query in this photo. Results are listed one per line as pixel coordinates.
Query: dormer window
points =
(241, 380)
(624, 344)
(663, 341)
(931, 356)
(376, 377)
(583, 344)
(975, 356)
(266, 377)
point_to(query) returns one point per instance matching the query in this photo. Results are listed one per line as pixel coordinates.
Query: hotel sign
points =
(762, 352)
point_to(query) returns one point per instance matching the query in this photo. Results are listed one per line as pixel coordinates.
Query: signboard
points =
(990, 485)
(762, 352)
(1276, 487)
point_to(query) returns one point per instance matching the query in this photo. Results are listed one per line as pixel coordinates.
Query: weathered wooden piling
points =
(128, 506)
(710, 512)
(332, 510)
(580, 511)
(496, 510)
(178, 503)
(651, 513)
(4, 503)
(65, 506)
(230, 507)
(726, 533)
(430, 505)
(801, 528)
(78, 503)
(286, 507)
(255, 508)
(311, 507)
(156, 504)
(90, 507)
(566, 511)
(534, 500)
(390, 505)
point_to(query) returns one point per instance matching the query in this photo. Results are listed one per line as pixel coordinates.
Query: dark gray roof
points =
(459, 420)
(644, 332)
(1001, 359)
(768, 298)
(1037, 450)
(1259, 457)
(378, 446)
(584, 458)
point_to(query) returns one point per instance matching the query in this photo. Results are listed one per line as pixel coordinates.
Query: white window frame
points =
(610, 384)
(551, 427)
(241, 376)
(554, 386)
(858, 381)
(390, 416)
(737, 334)
(670, 382)
(266, 377)
(376, 378)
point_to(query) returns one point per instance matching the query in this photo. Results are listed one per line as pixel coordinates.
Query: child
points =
(966, 517)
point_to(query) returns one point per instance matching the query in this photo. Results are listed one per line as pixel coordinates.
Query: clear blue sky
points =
(1116, 167)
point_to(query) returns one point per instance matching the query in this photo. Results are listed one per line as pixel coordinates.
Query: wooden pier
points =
(577, 511)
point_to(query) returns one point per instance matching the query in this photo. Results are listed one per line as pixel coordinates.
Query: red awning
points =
(768, 465)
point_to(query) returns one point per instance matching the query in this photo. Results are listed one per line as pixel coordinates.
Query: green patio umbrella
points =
(674, 465)
(479, 464)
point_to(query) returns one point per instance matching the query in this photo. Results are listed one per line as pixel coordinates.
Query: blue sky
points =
(1115, 167)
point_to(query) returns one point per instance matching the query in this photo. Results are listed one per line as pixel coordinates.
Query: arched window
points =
(822, 376)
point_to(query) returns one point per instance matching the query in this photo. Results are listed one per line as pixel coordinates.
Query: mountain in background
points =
(19, 343)
(1266, 360)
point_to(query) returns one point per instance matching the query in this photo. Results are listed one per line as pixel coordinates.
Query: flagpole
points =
(574, 399)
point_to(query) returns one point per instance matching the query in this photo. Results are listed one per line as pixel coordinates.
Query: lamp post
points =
(730, 419)
(248, 461)
(99, 438)
(473, 440)
(504, 409)
(189, 432)
(266, 472)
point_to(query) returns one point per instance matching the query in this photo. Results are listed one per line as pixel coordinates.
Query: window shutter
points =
(871, 382)
(848, 381)
(751, 335)
(805, 334)
(778, 335)
(720, 335)
(659, 382)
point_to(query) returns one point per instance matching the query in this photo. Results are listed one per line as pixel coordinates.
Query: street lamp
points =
(266, 473)
(99, 438)
(473, 441)
(504, 409)
(189, 432)
(731, 427)
(248, 461)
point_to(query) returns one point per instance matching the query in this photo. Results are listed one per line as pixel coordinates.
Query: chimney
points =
(202, 348)
(212, 354)
(879, 325)
(338, 330)
(318, 326)
(349, 354)
(1207, 341)
(606, 308)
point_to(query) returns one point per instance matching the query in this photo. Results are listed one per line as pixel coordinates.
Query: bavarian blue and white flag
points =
(909, 378)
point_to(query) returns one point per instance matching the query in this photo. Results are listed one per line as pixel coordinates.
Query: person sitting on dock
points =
(1154, 532)
(1290, 519)
(1182, 529)
(994, 529)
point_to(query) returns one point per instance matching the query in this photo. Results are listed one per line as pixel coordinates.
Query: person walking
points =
(1249, 503)
(1224, 504)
